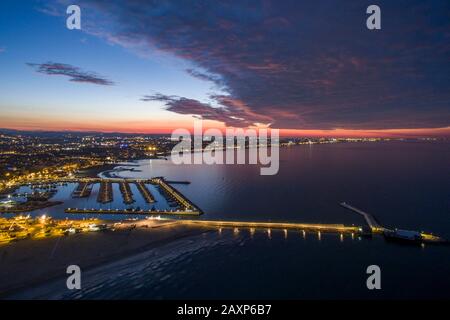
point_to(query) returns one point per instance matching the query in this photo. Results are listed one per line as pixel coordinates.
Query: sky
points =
(305, 67)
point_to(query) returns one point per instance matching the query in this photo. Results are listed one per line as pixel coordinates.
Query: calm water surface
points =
(404, 184)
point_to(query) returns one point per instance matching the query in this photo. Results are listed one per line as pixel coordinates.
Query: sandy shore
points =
(29, 263)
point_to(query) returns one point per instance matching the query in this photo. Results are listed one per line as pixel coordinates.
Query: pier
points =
(146, 194)
(336, 228)
(371, 221)
(177, 182)
(105, 193)
(394, 234)
(83, 190)
(176, 195)
(126, 192)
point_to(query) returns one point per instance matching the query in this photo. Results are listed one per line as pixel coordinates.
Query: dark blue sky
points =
(288, 64)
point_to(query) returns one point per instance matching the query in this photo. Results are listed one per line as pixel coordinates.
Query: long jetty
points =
(338, 228)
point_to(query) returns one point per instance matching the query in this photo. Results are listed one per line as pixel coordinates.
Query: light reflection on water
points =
(402, 184)
(222, 265)
(64, 194)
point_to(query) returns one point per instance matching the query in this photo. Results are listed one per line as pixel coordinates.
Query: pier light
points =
(252, 231)
(353, 236)
(269, 233)
(319, 235)
(236, 230)
(220, 230)
(304, 234)
(342, 237)
(285, 233)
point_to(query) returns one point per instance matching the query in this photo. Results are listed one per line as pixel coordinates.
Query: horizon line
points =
(443, 132)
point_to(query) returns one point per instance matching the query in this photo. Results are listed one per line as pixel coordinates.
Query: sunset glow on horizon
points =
(159, 127)
(232, 65)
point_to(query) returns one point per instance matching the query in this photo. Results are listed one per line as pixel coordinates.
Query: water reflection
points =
(63, 193)
(270, 233)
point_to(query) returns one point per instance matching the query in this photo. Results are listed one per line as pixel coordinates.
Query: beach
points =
(29, 263)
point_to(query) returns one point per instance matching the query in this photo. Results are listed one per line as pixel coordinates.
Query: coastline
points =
(49, 258)
(94, 171)
(32, 207)
(107, 170)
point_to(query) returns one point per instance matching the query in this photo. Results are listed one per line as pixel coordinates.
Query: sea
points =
(404, 184)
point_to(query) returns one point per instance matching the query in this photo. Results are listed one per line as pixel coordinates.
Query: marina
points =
(113, 196)
(156, 197)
